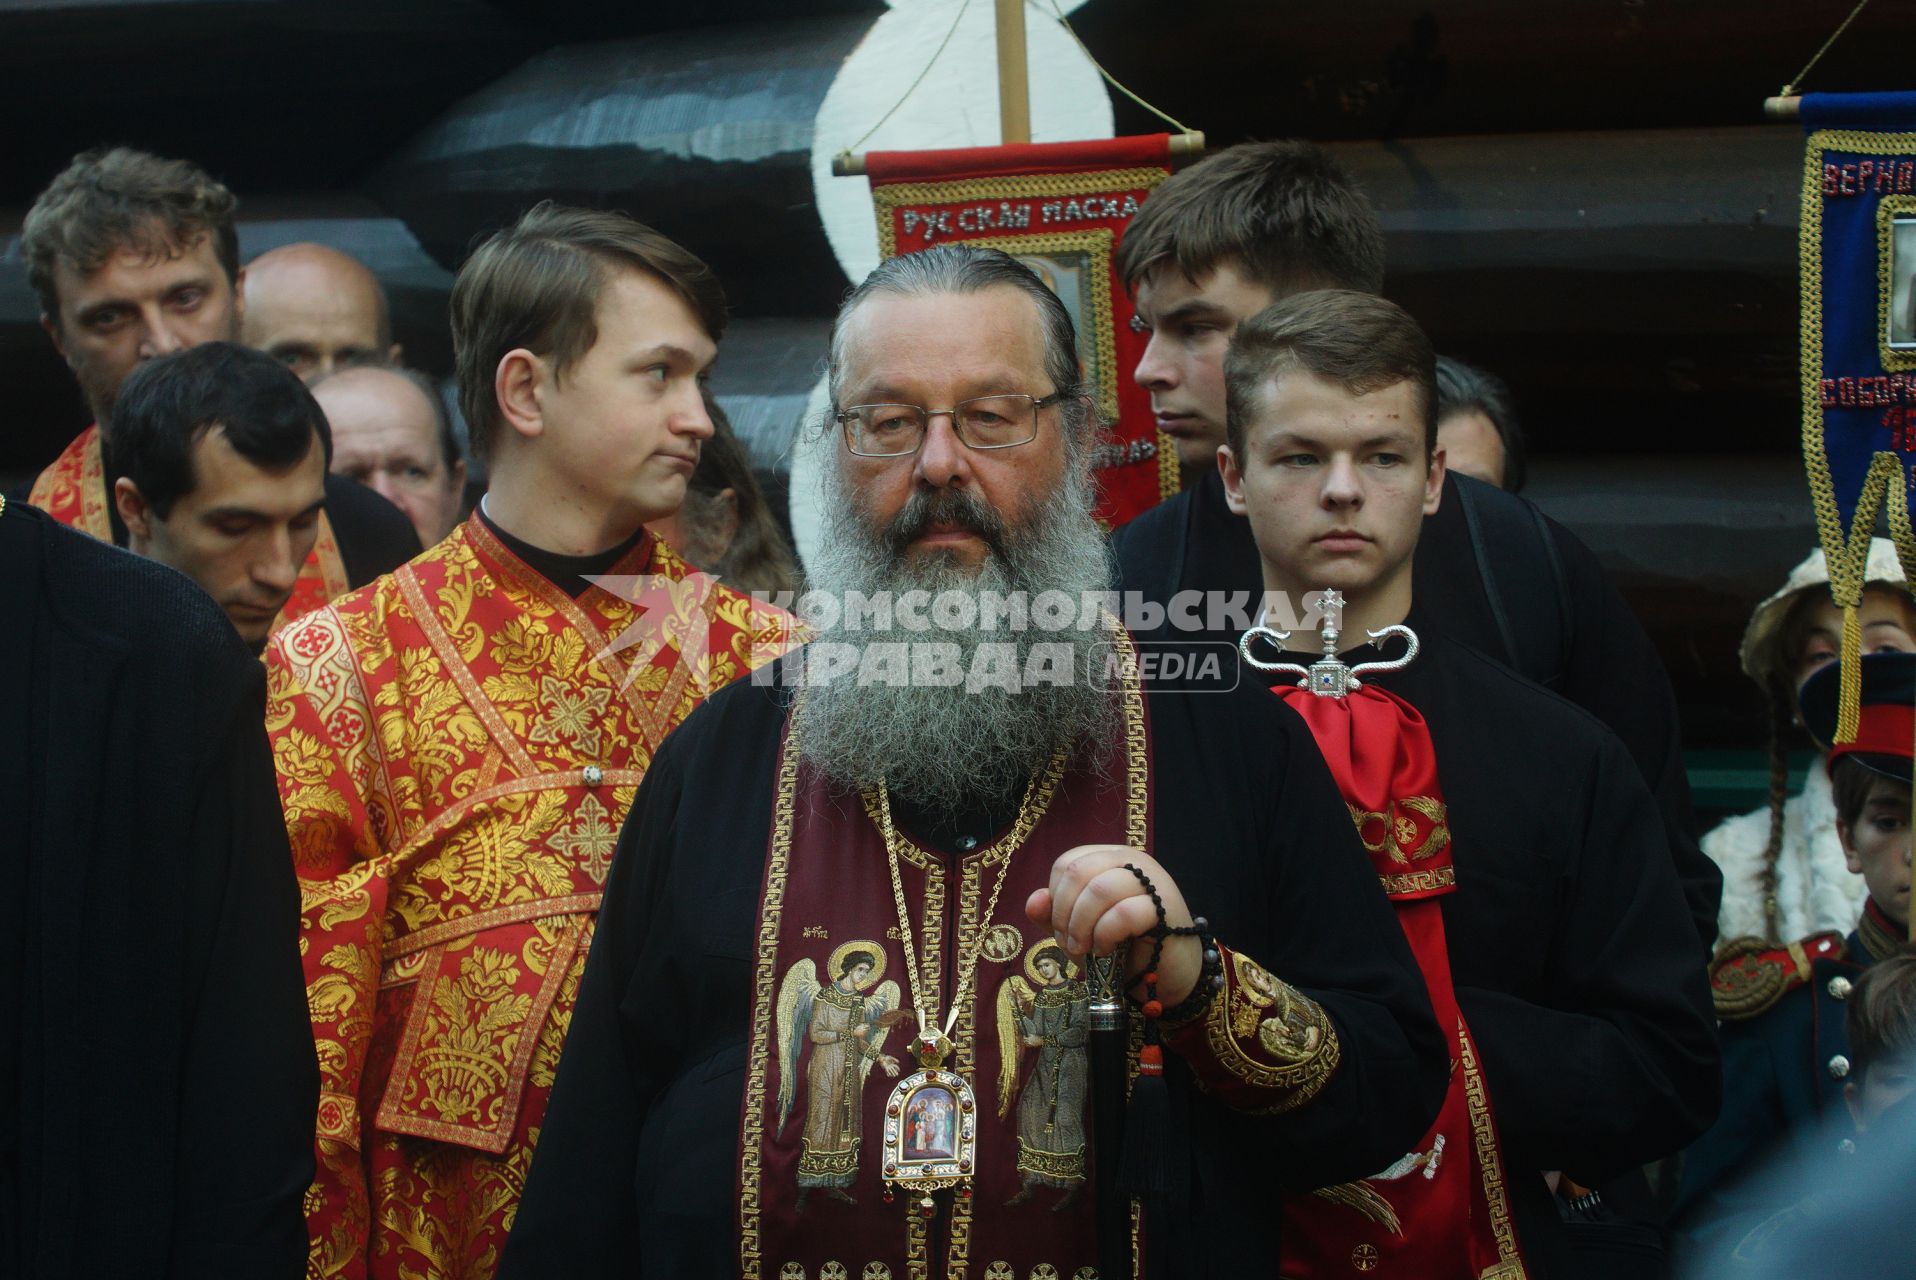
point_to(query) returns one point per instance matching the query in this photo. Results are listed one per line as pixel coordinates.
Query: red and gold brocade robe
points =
(73, 490)
(457, 745)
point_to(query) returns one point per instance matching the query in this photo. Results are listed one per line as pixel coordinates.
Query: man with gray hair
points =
(391, 433)
(861, 859)
(1477, 426)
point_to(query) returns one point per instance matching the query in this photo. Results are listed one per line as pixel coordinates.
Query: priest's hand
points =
(1094, 906)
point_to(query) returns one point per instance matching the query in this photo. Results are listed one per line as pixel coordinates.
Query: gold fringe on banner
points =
(1849, 698)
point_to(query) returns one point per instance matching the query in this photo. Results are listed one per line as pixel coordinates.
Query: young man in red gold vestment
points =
(457, 743)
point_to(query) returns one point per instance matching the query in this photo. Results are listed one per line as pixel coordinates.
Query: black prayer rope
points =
(1210, 980)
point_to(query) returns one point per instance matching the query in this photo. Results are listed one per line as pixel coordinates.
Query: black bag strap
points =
(1515, 549)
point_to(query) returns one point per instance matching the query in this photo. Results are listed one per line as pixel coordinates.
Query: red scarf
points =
(1443, 1209)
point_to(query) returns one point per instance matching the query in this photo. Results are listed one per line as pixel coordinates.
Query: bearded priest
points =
(852, 1002)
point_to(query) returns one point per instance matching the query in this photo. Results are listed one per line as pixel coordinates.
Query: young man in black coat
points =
(1248, 226)
(157, 1078)
(1520, 848)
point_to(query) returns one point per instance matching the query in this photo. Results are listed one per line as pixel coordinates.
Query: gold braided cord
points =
(1113, 80)
(1849, 697)
(931, 62)
(1170, 473)
(1795, 85)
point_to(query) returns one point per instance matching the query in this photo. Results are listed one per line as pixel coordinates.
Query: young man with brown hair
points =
(458, 743)
(134, 256)
(1249, 226)
(1517, 841)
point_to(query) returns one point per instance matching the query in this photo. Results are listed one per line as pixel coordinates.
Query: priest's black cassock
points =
(1567, 937)
(668, 1153)
(157, 1079)
(1500, 577)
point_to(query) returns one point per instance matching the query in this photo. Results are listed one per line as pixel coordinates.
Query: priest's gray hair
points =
(966, 268)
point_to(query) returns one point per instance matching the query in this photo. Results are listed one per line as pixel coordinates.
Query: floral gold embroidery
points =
(570, 713)
(449, 863)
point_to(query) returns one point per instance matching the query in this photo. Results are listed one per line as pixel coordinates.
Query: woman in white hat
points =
(1784, 876)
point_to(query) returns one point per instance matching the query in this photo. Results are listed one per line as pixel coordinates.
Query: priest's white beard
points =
(952, 748)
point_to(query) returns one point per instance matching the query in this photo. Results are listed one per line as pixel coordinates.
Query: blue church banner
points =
(1858, 262)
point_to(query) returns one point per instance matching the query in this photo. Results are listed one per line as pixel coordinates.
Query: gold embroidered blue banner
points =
(1858, 260)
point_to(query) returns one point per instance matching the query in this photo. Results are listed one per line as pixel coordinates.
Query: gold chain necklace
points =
(934, 1042)
(931, 1118)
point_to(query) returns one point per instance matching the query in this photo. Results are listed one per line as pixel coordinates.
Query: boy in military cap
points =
(1788, 1060)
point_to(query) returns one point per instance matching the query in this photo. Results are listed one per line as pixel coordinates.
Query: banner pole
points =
(1014, 90)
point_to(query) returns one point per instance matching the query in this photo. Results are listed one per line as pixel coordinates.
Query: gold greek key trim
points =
(1489, 1161)
(752, 1137)
(918, 1248)
(1419, 881)
(1137, 747)
(1302, 1080)
(1137, 811)
(752, 1131)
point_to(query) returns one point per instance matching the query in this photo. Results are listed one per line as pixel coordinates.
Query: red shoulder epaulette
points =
(1749, 975)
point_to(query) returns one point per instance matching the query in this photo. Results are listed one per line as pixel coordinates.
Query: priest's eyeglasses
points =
(986, 422)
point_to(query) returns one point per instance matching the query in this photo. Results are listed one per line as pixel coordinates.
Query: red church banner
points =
(1060, 208)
